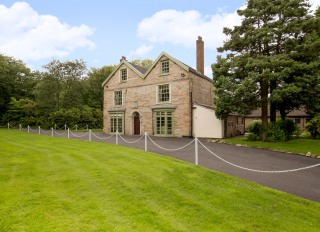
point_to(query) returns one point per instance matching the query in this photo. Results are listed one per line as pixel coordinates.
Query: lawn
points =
(298, 146)
(56, 184)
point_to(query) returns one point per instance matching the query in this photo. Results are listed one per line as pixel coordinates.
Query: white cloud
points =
(29, 36)
(183, 28)
(141, 51)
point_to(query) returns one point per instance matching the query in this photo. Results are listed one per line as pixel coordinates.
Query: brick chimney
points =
(123, 58)
(200, 55)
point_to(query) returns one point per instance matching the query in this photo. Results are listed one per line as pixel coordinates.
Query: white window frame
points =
(161, 67)
(120, 74)
(158, 100)
(114, 97)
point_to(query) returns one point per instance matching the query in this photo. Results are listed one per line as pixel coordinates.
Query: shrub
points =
(313, 127)
(255, 129)
(253, 137)
(289, 127)
(276, 133)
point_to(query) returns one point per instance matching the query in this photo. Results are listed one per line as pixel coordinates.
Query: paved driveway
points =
(304, 183)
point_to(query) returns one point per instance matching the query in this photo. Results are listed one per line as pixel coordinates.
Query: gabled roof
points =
(143, 73)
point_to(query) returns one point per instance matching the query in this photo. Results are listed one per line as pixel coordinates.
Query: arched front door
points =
(136, 123)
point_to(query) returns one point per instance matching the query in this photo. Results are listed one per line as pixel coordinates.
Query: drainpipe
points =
(191, 113)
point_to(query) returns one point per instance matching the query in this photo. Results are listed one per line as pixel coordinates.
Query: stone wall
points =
(140, 95)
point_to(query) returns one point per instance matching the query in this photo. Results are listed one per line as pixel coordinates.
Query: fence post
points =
(145, 141)
(20, 127)
(68, 133)
(28, 129)
(196, 150)
(8, 126)
(90, 135)
(116, 137)
(76, 127)
(39, 130)
(51, 131)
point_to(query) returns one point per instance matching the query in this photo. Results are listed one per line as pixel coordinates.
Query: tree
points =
(63, 84)
(16, 81)
(146, 63)
(94, 90)
(258, 63)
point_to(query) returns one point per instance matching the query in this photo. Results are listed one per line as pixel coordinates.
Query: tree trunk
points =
(283, 113)
(273, 112)
(264, 108)
(273, 108)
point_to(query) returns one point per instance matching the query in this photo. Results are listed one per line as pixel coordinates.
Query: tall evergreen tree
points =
(258, 63)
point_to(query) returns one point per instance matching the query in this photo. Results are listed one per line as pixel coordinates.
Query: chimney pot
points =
(123, 58)
(200, 55)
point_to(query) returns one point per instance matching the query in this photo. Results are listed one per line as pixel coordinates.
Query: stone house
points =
(168, 99)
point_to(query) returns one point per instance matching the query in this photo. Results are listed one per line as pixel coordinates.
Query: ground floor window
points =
(163, 123)
(117, 122)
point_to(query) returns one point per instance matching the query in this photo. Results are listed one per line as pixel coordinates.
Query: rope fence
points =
(146, 137)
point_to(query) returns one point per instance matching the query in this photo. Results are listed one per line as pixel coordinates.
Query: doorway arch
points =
(136, 123)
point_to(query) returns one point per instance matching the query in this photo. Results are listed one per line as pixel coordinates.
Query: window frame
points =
(115, 100)
(165, 119)
(164, 69)
(158, 93)
(121, 75)
(115, 119)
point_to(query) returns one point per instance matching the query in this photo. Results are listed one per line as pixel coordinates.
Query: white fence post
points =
(51, 131)
(68, 133)
(28, 129)
(8, 126)
(196, 150)
(20, 127)
(145, 141)
(116, 137)
(39, 130)
(90, 135)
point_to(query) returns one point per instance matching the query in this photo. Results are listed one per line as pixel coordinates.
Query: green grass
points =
(298, 146)
(56, 184)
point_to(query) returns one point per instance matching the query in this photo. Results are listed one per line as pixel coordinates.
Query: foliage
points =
(279, 131)
(94, 90)
(16, 81)
(146, 63)
(313, 127)
(275, 133)
(265, 61)
(297, 146)
(56, 184)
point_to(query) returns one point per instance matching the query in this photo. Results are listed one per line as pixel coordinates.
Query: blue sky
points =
(100, 32)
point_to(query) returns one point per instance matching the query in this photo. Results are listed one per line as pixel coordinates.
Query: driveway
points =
(304, 183)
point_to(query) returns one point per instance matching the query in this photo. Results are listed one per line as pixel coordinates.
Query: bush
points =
(313, 127)
(276, 133)
(282, 130)
(255, 129)
(253, 137)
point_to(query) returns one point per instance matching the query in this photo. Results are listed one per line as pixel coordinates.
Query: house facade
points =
(168, 99)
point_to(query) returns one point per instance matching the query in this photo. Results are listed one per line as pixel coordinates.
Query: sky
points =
(101, 32)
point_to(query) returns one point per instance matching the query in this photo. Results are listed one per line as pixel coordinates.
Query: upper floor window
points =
(123, 75)
(164, 93)
(165, 67)
(118, 98)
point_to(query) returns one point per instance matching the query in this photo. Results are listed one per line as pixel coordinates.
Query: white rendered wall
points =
(206, 124)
